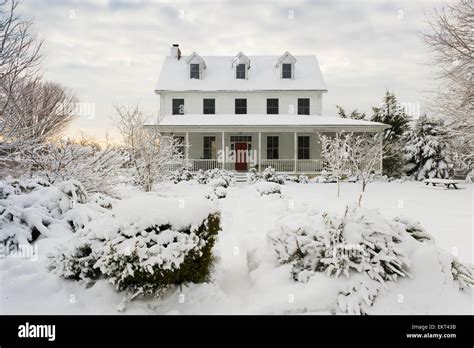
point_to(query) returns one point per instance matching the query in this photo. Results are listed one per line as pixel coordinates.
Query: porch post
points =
(223, 150)
(295, 152)
(381, 152)
(259, 151)
(186, 149)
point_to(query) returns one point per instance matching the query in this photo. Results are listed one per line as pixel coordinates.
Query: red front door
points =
(240, 156)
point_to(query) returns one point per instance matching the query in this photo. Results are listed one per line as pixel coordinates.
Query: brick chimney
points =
(175, 52)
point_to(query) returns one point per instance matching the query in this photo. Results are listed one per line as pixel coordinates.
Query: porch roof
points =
(262, 122)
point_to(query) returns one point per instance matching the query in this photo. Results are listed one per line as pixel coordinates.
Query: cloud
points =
(111, 51)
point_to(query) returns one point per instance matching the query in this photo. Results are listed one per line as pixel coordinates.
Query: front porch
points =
(286, 152)
(288, 143)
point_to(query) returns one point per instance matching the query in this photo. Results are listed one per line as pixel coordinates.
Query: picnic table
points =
(446, 182)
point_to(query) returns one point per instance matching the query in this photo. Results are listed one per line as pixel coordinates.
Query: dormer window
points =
(240, 66)
(196, 66)
(286, 71)
(194, 71)
(286, 66)
(240, 71)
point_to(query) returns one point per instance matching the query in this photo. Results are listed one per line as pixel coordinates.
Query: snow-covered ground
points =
(245, 279)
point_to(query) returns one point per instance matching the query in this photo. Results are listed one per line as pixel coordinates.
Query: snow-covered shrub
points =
(344, 244)
(144, 245)
(201, 177)
(211, 175)
(15, 186)
(102, 200)
(427, 150)
(217, 192)
(42, 211)
(220, 191)
(414, 228)
(220, 174)
(76, 263)
(462, 274)
(326, 177)
(358, 295)
(253, 176)
(303, 179)
(182, 174)
(268, 188)
(360, 242)
(369, 250)
(270, 175)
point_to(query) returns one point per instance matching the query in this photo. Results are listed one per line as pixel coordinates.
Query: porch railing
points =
(281, 165)
(204, 164)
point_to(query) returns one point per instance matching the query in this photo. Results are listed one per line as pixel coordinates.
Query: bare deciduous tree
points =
(153, 155)
(364, 153)
(334, 151)
(20, 55)
(450, 37)
(39, 111)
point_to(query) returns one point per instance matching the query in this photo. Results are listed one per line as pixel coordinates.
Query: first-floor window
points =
(178, 106)
(303, 106)
(303, 147)
(209, 148)
(272, 147)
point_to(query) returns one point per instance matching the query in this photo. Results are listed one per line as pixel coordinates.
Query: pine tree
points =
(426, 150)
(393, 114)
(356, 115)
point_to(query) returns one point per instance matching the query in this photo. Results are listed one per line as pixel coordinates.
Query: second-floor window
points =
(303, 106)
(272, 106)
(209, 106)
(303, 147)
(241, 106)
(286, 71)
(178, 106)
(194, 71)
(240, 71)
(272, 147)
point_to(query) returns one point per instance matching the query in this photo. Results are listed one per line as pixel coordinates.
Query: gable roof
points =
(196, 56)
(240, 58)
(286, 56)
(263, 75)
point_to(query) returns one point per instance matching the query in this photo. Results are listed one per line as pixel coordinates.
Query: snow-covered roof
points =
(259, 120)
(262, 76)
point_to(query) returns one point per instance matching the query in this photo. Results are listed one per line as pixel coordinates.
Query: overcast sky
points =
(111, 51)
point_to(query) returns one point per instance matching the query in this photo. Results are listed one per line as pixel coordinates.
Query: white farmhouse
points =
(237, 112)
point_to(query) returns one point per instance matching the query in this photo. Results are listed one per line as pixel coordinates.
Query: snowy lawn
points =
(245, 278)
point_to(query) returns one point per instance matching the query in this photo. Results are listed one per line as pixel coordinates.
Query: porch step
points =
(240, 176)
